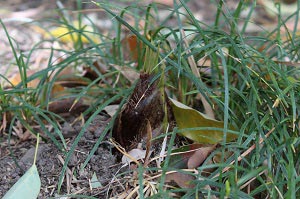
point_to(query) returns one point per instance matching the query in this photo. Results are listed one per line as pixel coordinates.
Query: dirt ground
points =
(50, 161)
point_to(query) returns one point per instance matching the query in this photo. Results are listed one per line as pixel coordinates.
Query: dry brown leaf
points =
(131, 48)
(136, 154)
(16, 79)
(26, 135)
(72, 81)
(92, 73)
(68, 105)
(18, 129)
(129, 73)
(111, 109)
(4, 123)
(199, 156)
(57, 91)
(181, 179)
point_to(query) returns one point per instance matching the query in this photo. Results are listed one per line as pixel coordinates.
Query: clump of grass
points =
(250, 84)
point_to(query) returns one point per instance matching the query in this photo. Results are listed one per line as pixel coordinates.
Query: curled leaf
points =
(187, 117)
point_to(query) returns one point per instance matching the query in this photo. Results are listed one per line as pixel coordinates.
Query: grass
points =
(252, 83)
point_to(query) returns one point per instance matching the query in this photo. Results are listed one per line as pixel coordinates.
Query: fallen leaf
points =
(187, 117)
(17, 79)
(199, 156)
(131, 48)
(92, 72)
(71, 34)
(111, 109)
(129, 73)
(58, 91)
(68, 105)
(95, 182)
(27, 187)
(183, 180)
(189, 156)
(26, 135)
(136, 154)
(4, 122)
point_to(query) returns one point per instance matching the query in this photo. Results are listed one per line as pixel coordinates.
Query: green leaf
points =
(227, 188)
(151, 60)
(27, 187)
(208, 130)
(95, 182)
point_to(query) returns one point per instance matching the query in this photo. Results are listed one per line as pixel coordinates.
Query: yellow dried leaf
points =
(68, 34)
(16, 79)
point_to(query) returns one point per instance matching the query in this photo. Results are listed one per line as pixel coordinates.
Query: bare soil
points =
(50, 161)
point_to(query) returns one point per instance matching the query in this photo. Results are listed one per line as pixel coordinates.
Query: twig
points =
(245, 153)
(122, 150)
(148, 145)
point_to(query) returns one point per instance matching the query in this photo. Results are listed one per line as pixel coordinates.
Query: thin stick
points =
(250, 149)
(122, 150)
(36, 148)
